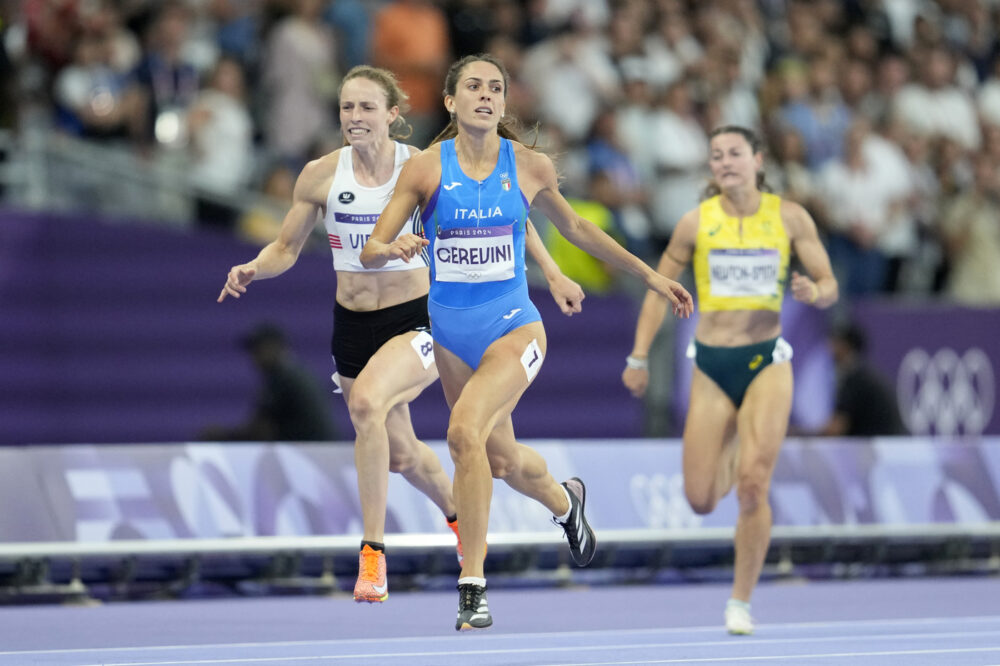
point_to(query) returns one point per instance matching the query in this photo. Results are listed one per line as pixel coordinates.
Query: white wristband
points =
(636, 363)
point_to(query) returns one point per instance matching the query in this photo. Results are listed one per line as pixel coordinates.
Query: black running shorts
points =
(358, 335)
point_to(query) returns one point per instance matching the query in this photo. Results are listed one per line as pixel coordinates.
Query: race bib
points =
(423, 344)
(744, 272)
(350, 233)
(531, 359)
(475, 254)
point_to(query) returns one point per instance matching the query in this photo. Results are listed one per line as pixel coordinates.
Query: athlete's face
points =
(479, 95)
(364, 117)
(733, 161)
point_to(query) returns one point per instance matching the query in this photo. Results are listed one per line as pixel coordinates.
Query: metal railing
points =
(43, 170)
(75, 570)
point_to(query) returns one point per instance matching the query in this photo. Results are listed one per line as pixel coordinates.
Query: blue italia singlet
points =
(476, 229)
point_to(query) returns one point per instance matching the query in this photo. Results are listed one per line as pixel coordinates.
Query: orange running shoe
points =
(458, 546)
(453, 524)
(371, 586)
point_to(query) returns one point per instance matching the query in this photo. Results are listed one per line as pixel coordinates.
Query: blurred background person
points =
(591, 273)
(814, 108)
(290, 406)
(935, 104)
(222, 151)
(787, 171)
(410, 38)
(299, 79)
(970, 227)
(89, 93)
(863, 195)
(261, 223)
(865, 399)
(678, 143)
(352, 21)
(165, 84)
(573, 78)
(618, 184)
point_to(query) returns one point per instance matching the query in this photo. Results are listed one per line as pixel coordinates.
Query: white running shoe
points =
(473, 610)
(738, 620)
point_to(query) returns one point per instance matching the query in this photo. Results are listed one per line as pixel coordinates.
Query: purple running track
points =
(939, 621)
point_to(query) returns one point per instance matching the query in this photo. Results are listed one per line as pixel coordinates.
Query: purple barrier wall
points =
(167, 491)
(111, 333)
(943, 360)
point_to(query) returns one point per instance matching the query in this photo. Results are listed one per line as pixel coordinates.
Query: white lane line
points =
(715, 628)
(783, 657)
(731, 642)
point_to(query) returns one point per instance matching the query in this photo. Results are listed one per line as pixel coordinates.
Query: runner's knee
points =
(363, 408)
(751, 489)
(502, 465)
(463, 439)
(401, 461)
(700, 496)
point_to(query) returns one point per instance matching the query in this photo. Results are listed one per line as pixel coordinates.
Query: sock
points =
(452, 518)
(374, 545)
(736, 603)
(472, 580)
(563, 518)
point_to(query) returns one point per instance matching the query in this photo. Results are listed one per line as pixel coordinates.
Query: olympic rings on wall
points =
(944, 393)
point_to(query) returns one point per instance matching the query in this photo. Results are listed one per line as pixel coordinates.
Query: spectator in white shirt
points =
(572, 78)
(863, 196)
(221, 143)
(679, 146)
(936, 105)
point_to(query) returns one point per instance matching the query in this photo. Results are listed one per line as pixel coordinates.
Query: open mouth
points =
(484, 109)
(357, 131)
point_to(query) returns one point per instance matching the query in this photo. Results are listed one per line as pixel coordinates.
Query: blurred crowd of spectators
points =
(882, 117)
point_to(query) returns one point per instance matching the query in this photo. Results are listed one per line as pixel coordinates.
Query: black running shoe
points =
(582, 542)
(473, 613)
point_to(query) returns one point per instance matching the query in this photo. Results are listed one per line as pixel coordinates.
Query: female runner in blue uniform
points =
(383, 353)
(474, 186)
